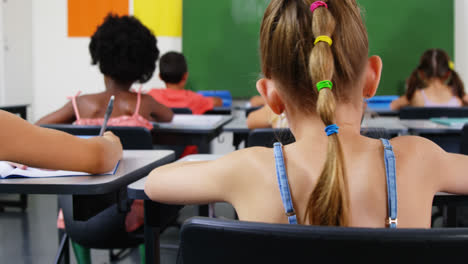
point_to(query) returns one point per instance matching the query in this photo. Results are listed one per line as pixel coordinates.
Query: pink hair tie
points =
(317, 4)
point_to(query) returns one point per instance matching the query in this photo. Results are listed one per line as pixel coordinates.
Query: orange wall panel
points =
(84, 16)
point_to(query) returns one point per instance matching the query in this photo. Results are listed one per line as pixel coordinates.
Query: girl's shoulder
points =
(419, 98)
(247, 165)
(417, 154)
(414, 144)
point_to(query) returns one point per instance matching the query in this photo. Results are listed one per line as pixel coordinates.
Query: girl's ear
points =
(373, 74)
(267, 90)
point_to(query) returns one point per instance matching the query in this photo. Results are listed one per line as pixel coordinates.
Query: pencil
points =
(110, 106)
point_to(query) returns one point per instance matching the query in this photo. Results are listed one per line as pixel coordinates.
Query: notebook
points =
(451, 122)
(9, 171)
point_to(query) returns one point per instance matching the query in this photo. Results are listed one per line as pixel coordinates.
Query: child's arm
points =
(260, 118)
(35, 146)
(257, 101)
(201, 182)
(431, 165)
(400, 103)
(64, 115)
(452, 171)
(217, 102)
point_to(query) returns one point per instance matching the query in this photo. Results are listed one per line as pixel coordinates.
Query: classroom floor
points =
(31, 237)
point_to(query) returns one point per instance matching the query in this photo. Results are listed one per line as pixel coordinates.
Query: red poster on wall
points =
(84, 16)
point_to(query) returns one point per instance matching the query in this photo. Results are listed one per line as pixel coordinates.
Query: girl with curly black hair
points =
(126, 53)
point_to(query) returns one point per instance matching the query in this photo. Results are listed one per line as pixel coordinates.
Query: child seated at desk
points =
(266, 118)
(314, 57)
(174, 72)
(434, 83)
(126, 52)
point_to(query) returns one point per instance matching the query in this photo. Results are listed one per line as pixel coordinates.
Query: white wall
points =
(2, 58)
(16, 52)
(62, 65)
(461, 39)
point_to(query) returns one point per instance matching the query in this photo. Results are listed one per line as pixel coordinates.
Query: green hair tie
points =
(324, 84)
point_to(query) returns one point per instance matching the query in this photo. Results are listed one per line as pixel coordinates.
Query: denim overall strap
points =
(391, 184)
(284, 184)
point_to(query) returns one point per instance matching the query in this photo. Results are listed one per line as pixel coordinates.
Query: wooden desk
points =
(157, 215)
(93, 194)
(186, 130)
(134, 165)
(239, 129)
(238, 126)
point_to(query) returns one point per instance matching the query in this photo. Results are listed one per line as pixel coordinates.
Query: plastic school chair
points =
(251, 109)
(268, 136)
(104, 231)
(433, 112)
(182, 111)
(210, 241)
(132, 138)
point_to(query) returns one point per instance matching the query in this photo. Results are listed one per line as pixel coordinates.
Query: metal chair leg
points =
(62, 248)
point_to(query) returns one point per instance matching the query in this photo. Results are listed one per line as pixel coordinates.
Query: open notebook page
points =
(8, 171)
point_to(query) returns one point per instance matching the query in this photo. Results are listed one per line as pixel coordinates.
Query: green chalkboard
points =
(220, 40)
(400, 31)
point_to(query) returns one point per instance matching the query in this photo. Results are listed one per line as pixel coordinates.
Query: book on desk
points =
(451, 122)
(9, 170)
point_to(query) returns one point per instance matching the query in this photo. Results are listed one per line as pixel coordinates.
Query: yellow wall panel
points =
(163, 17)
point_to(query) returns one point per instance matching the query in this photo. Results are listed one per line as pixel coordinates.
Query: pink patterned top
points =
(126, 120)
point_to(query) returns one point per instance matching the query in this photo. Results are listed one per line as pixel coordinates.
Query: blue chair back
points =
(224, 95)
(380, 102)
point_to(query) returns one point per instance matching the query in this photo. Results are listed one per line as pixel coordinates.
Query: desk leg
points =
(203, 210)
(236, 140)
(152, 253)
(450, 216)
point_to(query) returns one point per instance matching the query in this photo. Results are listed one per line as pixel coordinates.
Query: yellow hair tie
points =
(326, 39)
(451, 65)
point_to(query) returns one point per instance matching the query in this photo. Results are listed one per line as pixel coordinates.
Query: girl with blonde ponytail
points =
(314, 56)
